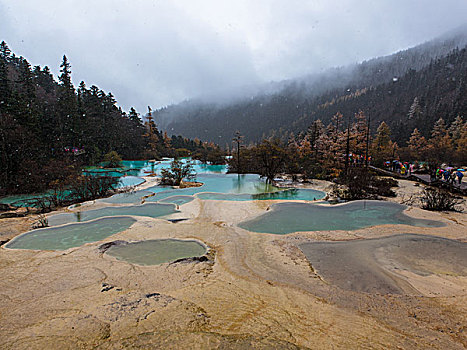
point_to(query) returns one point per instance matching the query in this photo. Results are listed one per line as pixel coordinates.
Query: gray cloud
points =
(160, 52)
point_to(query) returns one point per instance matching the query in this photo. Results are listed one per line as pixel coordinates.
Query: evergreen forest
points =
(49, 128)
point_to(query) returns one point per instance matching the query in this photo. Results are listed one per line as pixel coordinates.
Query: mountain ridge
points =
(281, 111)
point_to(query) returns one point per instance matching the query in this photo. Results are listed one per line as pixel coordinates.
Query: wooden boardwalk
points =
(425, 179)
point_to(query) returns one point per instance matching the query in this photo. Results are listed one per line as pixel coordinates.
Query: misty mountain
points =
(384, 88)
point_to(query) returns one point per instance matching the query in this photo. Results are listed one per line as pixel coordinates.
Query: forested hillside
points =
(49, 129)
(429, 79)
(416, 100)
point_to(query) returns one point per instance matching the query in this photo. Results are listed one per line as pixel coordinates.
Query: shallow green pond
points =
(144, 167)
(154, 252)
(178, 200)
(28, 200)
(152, 210)
(216, 185)
(288, 194)
(293, 217)
(72, 235)
(128, 181)
(133, 197)
(235, 187)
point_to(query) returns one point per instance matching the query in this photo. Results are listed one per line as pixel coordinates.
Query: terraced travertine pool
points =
(231, 187)
(158, 251)
(293, 217)
(177, 200)
(217, 185)
(356, 265)
(71, 235)
(152, 210)
(87, 226)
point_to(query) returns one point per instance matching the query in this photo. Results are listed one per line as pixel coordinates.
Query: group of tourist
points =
(358, 159)
(449, 175)
(405, 169)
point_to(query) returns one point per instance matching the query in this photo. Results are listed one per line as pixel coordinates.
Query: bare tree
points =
(238, 139)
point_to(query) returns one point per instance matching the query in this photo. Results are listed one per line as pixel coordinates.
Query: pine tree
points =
(26, 79)
(359, 133)
(461, 154)
(4, 86)
(5, 52)
(439, 129)
(455, 129)
(415, 111)
(167, 141)
(152, 136)
(69, 124)
(417, 145)
(65, 77)
(25, 102)
(133, 115)
(313, 136)
(46, 80)
(440, 144)
(382, 144)
(336, 140)
(238, 140)
(335, 126)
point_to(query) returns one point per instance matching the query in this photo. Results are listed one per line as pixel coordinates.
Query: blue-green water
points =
(222, 183)
(145, 167)
(154, 252)
(127, 181)
(237, 188)
(129, 174)
(178, 200)
(293, 217)
(284, 218)
(27, 200)
(72, 235)
(288, 194)
(217, 185)
(23, 200)
(126, 198)
(153, 210)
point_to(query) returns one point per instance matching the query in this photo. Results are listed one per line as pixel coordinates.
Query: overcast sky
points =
(149, 52)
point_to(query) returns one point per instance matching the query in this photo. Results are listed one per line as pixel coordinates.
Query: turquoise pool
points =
(154, 252)
(217, 185)
(178, 200)
(71, 235)
(236, 188)
(153, 210)
(230, 187)
(23, 200)
(145, 167)
(287, 194)
(134, 197)
(293, 217)
(127, 181)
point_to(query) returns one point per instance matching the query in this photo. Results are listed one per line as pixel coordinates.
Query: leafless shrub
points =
(438, 199)
(410, 200)
(41, 222)
(359, 183)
